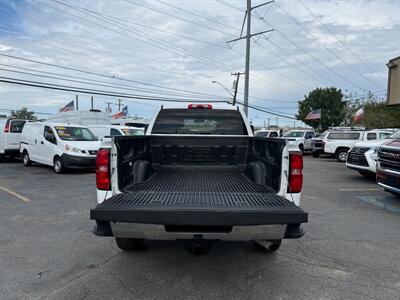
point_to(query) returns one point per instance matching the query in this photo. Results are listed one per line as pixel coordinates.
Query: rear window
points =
(262, 134)
(17, 126)
(199, 121)
(344, 136)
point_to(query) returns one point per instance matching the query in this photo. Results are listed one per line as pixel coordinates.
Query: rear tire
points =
(315, 154)
(269, 246)
(301, 147)
(341, 155)
(128, 244)
(58, 166)
(26, 159)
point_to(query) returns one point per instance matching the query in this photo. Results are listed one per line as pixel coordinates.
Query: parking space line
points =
(15, 194)
(359, 190)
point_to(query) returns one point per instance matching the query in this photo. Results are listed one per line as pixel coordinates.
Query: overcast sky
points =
(180, 46)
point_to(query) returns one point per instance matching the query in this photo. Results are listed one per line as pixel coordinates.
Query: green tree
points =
(332, 105)
(377, 114)
(23, 113)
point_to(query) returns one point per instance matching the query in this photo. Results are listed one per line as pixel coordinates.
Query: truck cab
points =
(198, 175)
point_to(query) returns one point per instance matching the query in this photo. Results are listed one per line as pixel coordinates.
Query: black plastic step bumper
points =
(202, 209)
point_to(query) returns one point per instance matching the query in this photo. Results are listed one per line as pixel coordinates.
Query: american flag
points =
(314, 115)
(121, 114)
(68, 107)
(359, 115)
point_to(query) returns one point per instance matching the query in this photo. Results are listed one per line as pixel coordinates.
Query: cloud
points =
(72, 36)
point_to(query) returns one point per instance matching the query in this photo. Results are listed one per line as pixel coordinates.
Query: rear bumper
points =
(78, 161)
(162, 232)
(166, 217)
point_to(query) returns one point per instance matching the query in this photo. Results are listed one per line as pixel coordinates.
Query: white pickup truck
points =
(300, 138)
(198, 175)
(339, 143)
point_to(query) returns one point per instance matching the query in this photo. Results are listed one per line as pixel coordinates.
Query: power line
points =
(267, 111)
(96, 92)
(297, 45)
(100, 75)
(168, 46)
(177, 17)
(197, 15)
(91, 82)
(326, 48)
(334, 35)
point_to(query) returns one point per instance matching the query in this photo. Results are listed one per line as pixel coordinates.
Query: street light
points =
(226, 89)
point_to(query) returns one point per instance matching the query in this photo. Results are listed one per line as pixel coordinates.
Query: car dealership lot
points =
(350, 250)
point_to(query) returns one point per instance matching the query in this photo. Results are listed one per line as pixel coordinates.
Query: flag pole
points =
(320, 121)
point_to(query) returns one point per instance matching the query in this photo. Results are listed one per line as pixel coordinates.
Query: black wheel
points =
(58, 166)
(341, 155)
(26, 159)
(301, 147)
(198, 247)
(128, 244)
(315, 154)
(367, 174)
(269, 246)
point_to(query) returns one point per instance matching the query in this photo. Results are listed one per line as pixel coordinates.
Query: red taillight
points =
(295, 172)
(103, 169)
(204, 106)
(7, 127)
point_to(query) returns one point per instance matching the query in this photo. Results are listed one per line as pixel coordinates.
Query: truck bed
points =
(199, 195)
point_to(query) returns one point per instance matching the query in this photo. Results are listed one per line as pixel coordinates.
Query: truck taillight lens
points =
(295, 172)
(7, 127)
(203, 106)
(103, 169)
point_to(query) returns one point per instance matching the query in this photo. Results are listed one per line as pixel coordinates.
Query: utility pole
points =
(91, 102)
(108, 106)
(269, 119)
(237, 74)
(247, 67)
(77, 102)
(119, 104)
(277, 122)
(248, 37)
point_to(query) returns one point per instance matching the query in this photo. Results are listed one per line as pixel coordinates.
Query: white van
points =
(10, 135)
(85, 118)
(114, 130)
(59, 145)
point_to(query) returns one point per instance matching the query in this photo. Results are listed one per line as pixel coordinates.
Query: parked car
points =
(58, 145)
(388, 170)
(198, 175)
(268, 133)
(363, 156)
(338, 143)
(114, 130)
(300, 138)
(85, 118)
(317, 144)
(10, 135)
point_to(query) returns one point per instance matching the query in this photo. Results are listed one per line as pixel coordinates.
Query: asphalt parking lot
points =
(47, 250)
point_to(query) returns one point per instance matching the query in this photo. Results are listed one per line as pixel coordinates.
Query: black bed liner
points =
(199, 195)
